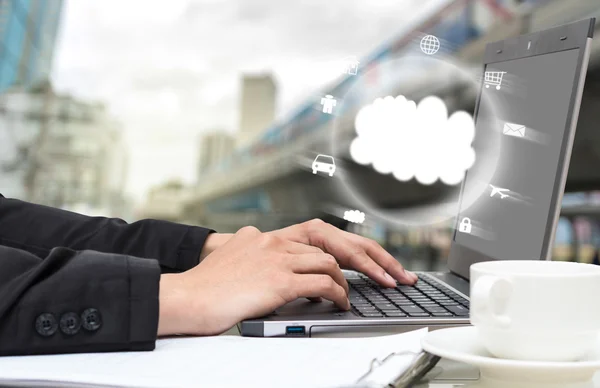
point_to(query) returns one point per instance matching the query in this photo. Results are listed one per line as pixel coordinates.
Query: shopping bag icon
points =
(517, 130)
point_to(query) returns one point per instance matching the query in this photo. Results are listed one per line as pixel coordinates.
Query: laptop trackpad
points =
(306, 310)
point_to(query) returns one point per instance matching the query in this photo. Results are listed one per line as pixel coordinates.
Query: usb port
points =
(295, 330)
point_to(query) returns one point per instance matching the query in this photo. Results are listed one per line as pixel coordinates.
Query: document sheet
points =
(221, 361)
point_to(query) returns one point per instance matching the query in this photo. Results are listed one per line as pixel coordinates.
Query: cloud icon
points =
(355, 216)
(399, 137)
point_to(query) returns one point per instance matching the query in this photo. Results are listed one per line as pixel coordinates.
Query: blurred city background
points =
(203, 111)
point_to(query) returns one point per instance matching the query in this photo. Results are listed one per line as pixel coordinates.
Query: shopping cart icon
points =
(494, 78)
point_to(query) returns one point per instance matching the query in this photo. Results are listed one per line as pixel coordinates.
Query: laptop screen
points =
(507, 217)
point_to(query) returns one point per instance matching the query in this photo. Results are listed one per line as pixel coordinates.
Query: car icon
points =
(324, 163)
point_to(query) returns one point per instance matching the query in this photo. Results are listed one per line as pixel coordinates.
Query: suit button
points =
(46, 325)
(91, 319)
(70, 323)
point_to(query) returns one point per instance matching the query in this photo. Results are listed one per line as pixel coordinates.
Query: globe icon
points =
(430, 44)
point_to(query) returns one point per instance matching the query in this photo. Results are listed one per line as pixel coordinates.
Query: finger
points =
(313, 286)
(350, 254)
(360, 261)
(296, 248)
(320, 263)
(364, 252)
(384, 259)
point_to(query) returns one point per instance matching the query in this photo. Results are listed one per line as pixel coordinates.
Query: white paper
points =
(222, 361)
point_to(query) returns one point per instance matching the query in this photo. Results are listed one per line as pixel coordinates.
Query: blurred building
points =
(28, 31)
(166, 202)
(58, 151)
(257, 107)
(214, 147)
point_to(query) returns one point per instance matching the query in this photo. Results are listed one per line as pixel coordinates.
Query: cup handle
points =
(486, 293)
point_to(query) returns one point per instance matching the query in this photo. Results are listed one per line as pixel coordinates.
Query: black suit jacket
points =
(72, 283)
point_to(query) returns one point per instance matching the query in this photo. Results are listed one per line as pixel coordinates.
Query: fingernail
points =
(389, 277)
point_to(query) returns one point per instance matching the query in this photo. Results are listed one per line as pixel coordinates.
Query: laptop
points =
(527, 108)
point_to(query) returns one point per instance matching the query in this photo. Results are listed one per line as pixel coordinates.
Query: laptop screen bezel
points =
(578, 37)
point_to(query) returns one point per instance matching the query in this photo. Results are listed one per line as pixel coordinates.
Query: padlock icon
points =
(465, 225)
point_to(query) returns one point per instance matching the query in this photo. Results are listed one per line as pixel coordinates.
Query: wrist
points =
(213, 242)
(171, 305)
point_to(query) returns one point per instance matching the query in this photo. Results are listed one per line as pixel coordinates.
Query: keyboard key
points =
(395, 314)
(399, 296)
(429, 303)
(378, 300)
(442, 315)
(365, 305)
(435, 309)
(372, 315)
(399, 301)
(412, 310)
(370, 293)
(366, 308)
(404, 303)
(361, 304)
(447, 302)
(418, 315)
(426, 289)
(386, 306)
(458, 310)
(404, 288)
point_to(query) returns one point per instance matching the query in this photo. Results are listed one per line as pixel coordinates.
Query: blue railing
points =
(257, 200)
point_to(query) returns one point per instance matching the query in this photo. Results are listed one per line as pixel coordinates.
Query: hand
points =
(250, 275)
(351, 251)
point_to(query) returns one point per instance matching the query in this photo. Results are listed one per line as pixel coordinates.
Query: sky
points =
(169, 71)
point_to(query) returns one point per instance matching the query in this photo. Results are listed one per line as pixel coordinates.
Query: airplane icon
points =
(499, 191)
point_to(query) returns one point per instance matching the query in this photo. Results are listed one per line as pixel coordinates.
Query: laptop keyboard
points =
(425, 299)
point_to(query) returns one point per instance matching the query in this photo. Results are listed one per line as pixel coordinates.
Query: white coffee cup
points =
(536, 310)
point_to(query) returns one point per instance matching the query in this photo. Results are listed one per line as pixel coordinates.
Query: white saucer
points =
(462, 344)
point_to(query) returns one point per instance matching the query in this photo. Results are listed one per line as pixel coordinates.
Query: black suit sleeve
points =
(37, 229)
(75, 301)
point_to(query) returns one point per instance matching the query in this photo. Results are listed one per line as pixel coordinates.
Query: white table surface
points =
(450, 374)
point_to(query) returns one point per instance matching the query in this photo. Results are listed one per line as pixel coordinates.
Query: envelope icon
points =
(517, 130)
